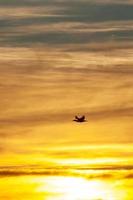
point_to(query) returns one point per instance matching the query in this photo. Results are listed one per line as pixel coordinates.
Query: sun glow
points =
(72, 188)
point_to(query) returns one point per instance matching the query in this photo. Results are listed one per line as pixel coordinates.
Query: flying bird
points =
(80, 119)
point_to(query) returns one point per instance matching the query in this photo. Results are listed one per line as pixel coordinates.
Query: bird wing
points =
(82, 118)
(76, 117)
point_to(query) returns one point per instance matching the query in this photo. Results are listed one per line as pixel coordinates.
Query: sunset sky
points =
(58, 59)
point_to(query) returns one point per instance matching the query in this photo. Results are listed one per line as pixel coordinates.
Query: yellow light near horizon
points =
(74, 188)
(91, 161)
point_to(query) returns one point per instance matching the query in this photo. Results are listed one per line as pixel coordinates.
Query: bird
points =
(80, 119)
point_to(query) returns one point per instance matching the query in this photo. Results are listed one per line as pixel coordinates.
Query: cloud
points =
(61, 38)
(86, 51)
(83, 12)
(129, 176)
(26, 3)
(88, 11)
(99, 173)
(44, 118)
(1, 147)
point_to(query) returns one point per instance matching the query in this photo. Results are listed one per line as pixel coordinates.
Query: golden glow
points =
(72, 188)
(65, 188)
(92, 162)
(58, 60)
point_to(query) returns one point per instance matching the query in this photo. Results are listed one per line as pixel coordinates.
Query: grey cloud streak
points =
(65, 38)
(74, 11)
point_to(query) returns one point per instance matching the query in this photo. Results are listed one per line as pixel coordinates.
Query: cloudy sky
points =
(59, 58)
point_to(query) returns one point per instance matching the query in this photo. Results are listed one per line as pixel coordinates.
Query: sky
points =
(58, 59)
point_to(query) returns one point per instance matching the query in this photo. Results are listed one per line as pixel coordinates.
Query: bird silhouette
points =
(80, 119)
